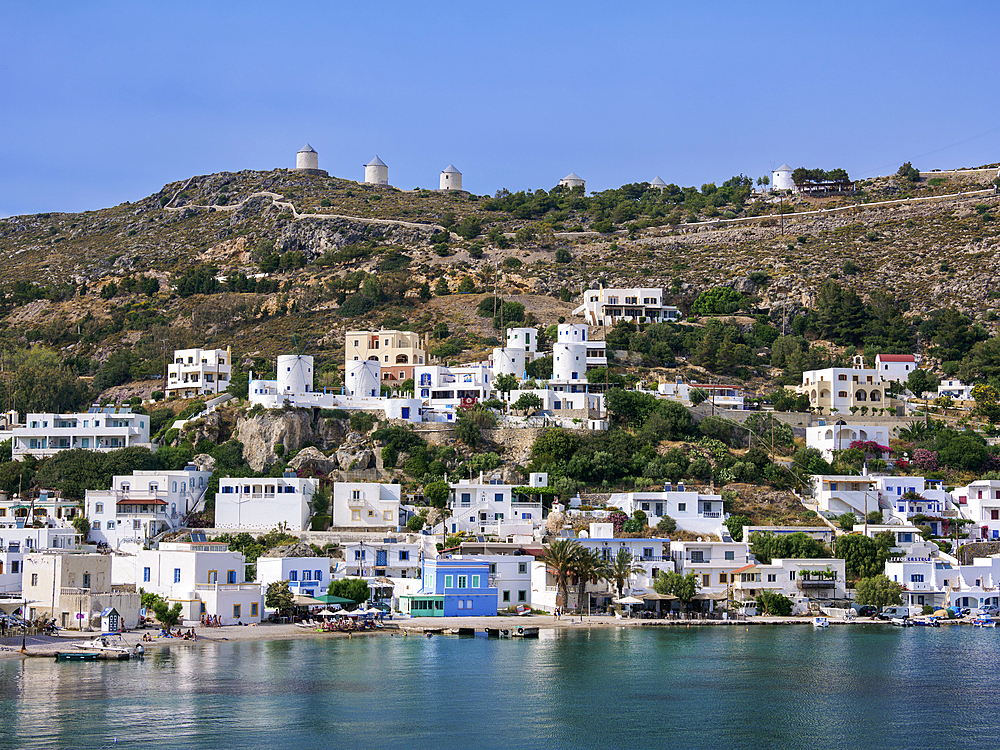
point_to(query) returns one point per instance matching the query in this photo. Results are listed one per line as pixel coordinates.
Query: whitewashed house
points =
(979, 501)
(800, 579)
(263, 503)
(390, 557)
(102, 429)
(713, 563)
(199, 372)
(50, 509)
(442, 390)
(693, 511)
(367, 505)
(605, 307)
(720, 395)
(895, 367)
(485, 507)
(308, 576)
(837, 389)
(144, 504)
(837, 493)
(828, 437)
(205, 577)
(955, 389)
(781, 178)
(16, 542)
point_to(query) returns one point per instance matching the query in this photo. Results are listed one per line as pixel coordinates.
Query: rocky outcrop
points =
(204, 462)
(291, 428)
(311, 460)
(355, 453)
(292, 550)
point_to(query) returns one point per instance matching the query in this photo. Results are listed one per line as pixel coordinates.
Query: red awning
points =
(142, 501)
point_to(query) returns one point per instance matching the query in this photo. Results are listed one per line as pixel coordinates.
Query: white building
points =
(101, 429)
(16, 542)
(927, 497)
(308, 576)
(895, 367)
(366, 505)
(658, 184)
(264, 503)
(144, 504)
(520, 349)
(781, 178)
(955, 389)
(837, 389)
(979, 501)
(480, 507)
(205, 577)
(49, 508)
(389, 557)
(605, 307)
(451, 178)
(845, 493)
(307, 158)
(718, 394)
(199, 372)
(376, 172)
(573, 180)
(693, 511)
(713, 563)
(293, 388)
(828, 437)
(799, 579)
(442, 390)
(73, 588)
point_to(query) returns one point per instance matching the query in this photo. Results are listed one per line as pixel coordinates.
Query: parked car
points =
(990, 611)
(865, 610)
(890, 613)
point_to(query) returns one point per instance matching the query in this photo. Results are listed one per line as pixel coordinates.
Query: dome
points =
(451, 168)
(307, 149)
(657, 182)
(572, 176)
(376, 162)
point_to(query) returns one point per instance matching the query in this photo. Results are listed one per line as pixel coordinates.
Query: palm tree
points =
(560, 558)
(621, 570)
(589, 565)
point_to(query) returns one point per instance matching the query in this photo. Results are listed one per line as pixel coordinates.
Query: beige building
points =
(74, 588)
(398, 352)
(838, 389)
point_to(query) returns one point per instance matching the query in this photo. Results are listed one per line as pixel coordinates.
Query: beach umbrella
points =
(300, 600)
(628, 600)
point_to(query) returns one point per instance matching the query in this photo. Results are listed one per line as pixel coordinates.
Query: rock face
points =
(292, 428)
(354, 454)
(311, 459)
(204, 462)
(292, 550)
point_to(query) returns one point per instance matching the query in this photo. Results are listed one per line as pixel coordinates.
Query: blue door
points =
(381, 557)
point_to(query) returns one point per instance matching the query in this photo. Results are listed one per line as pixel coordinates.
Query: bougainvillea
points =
(926, 460)
(618, 518)
(870, 447)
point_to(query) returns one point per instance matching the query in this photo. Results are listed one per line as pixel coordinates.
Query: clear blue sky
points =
(107, 102)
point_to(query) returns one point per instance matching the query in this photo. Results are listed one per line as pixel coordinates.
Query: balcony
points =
(355, 502)
(819, 583)
(228, 587)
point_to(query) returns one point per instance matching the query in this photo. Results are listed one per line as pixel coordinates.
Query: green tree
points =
(436, 493)
(666, 525)
(168, 616)
(589, 567)
(356, 589)
(863, 556)
(684, 587)
(469, 228)
(774, 603)
(278, 596)
(720, 300)
(560, 559)
(766, 546)
(735, 525)
(505, 383)
(878, 591)
(847, 521)
(621, 569)
(441, 288)
(528, 402)
(697, 396)
(415, 523)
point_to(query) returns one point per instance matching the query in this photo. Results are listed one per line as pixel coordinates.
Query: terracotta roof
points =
(896, 358)
(745, 567)
(141, 501)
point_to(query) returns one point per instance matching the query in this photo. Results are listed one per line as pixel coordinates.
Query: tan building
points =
(74, 588)
(398, 352)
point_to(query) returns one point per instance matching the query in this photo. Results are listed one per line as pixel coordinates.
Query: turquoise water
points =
(718, 687)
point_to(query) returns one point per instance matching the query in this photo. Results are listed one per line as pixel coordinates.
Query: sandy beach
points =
(10, 647)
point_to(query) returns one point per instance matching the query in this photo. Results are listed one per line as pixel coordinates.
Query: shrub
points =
(362, 421)
(279, 449)
(563, 255)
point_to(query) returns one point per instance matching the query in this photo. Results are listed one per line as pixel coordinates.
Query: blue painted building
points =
(452, 588)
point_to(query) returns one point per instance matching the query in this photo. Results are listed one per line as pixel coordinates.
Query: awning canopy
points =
(655, 597)
(628, 600)
(305, 601)
(331, 599)
(142, 501)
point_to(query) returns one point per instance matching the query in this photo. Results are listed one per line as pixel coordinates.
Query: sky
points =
(106, 102)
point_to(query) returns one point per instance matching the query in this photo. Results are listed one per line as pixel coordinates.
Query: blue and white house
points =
(453, 587)
(308, 576)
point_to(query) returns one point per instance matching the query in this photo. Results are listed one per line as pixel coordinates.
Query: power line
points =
(934, 151)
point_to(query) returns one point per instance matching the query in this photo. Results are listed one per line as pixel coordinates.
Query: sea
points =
(854, 687)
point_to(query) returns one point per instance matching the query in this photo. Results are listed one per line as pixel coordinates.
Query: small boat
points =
(77, 656)
(927, 622)
(524, 633)
(902, 622)
(111, 643)
(821, 622)
(984, 622)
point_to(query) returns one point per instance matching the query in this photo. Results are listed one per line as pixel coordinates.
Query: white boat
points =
(112, 643)
(902, 622)
(984, 622)
(821, 622)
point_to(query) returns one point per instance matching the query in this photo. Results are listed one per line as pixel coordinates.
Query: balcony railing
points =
(355, 501)
(820, 583)
(227, 586)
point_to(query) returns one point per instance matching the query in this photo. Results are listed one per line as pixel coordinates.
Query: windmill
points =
(295, 371)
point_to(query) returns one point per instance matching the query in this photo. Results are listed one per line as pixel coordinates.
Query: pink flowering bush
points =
(926, 460)
(618, 518)
(870, 447)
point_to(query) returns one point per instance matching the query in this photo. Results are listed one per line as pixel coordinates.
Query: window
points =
(522, 569)
(111, 524)
(697, 556)
(236, 611)
(730, 555)
(145, 575)
(318, 575)
(86, 580)
(647, 551)
(475, 582)
(917, 578)
(723, 578)
(772, 577)
(682, 507)
(177, 575)
(213, 576)
(293, 575)
(98, 507)
(449, 582)
(386, 515)
(461, 603)
(506, 596)
(404, 555)
(791, 575)
(355, 515)
(253, 609)
(34, 579)
(371, 514)
(522, 596)
(706, 579)
(463, 582)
